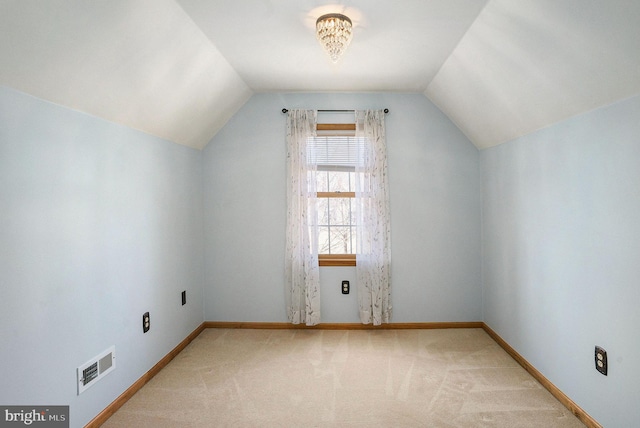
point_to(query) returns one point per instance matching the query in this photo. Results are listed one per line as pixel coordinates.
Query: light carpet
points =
(343, 378)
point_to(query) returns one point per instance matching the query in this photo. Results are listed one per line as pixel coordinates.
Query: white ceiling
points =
(179, 69)
(526, 64)
(397, 45)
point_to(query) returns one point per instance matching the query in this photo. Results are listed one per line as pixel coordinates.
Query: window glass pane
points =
(338, 181)
(340, 211)
(352, 211)
(361, 182)
(341, 240)
(322, 181)
(353, 248)
(323, 240)
(323, 211)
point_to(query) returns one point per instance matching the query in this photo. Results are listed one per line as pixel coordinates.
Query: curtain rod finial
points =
(386, 110)
(284, 110)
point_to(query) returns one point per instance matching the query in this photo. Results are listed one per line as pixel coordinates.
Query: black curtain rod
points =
(284, 110)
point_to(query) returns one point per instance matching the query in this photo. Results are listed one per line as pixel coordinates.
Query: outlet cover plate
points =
(601, 360)
(345, 287)
(146, 322)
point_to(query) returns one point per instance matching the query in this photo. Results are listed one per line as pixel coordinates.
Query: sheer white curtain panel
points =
(301, 258)
(373, 255)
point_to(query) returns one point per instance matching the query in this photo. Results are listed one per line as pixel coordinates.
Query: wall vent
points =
(95, 369)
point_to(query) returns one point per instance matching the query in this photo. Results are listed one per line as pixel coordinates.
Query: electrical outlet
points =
(146, 322)
(184, 297)
(345, 287)
(601, 360)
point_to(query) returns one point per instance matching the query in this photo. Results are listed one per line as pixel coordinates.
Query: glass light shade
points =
(334, 32)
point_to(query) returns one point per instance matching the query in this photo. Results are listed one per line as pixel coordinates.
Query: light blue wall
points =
(435, 209)
(561, 246)
(98, 224)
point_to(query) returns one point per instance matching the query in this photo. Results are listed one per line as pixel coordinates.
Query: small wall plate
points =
(146, 322)
(601, 360)
(345, 287)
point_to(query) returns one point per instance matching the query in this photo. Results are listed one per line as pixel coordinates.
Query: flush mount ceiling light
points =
(334, 33)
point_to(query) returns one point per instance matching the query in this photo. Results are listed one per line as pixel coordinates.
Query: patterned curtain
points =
(373, 255)
(301, 258)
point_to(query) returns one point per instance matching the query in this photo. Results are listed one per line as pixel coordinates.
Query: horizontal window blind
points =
(334, 151)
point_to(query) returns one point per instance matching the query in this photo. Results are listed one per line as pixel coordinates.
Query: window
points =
(334, 152)
(336, 219)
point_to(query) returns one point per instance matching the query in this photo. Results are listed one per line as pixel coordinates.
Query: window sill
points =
(337, 259)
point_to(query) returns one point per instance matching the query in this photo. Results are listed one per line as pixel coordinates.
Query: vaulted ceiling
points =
(179, 69)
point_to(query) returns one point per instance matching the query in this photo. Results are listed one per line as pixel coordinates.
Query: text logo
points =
(34, 416)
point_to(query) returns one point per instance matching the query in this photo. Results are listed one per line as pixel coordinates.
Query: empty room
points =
(280, 213)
